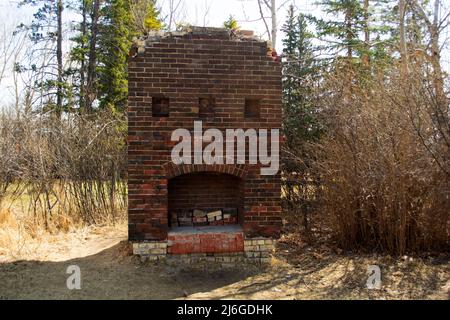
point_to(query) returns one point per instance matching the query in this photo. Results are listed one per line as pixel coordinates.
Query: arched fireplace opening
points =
(205, 199)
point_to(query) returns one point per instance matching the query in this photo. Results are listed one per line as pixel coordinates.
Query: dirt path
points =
(109, 272)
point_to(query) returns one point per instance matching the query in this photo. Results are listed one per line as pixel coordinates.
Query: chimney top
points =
(195, 32)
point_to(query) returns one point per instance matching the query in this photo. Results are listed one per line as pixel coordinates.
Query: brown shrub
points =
(67, 170)
(383, 163)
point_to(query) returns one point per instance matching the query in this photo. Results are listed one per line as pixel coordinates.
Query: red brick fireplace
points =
(226, 81)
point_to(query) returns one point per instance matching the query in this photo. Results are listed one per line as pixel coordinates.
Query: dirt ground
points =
(108, 271)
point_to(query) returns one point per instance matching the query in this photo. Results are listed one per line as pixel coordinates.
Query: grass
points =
(24, 225)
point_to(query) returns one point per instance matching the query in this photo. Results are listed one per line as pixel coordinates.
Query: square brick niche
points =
(227, 82)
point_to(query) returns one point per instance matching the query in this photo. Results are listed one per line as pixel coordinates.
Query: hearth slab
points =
(207, 239)
(205, 229)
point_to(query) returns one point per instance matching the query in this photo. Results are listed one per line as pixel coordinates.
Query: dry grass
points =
(18, 236)
(59, 176)
(23, 236)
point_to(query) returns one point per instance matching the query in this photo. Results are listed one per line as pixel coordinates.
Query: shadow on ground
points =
(313, 273)
(295, 273)
(109, 274)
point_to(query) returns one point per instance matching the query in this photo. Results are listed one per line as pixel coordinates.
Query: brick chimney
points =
(226, 80)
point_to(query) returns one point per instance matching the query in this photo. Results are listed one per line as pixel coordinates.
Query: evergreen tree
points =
(103, 38)
(343, 31)
(300, 73)
(145, 16)
(358, 30)
(115, 39)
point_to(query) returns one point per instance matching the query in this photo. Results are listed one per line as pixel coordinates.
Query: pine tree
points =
(145, 16)
(345, 28)
(358, 30)
(117, 27)
(115, 39)
(102, 41)
(300, 73)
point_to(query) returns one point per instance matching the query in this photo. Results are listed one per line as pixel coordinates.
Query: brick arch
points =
(172, 170)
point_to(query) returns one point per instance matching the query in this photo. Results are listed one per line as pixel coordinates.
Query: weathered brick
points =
(185, 68)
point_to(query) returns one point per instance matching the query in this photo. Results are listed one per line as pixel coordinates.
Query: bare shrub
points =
(9, 154)
(68, 170)
(383, 163)
(299, 185)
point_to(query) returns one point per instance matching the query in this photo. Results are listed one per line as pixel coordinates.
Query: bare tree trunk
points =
(273, 11)
(59, 57)
(170, 14)
(366, 56)
(441, 112)
(436, 55)
(261, 12)
(91, 74)
(83, 60)
(173, 8)
(438, 110)
(205, 15)
(349, 35)
(7, 48)
(271, 32)
(402, 35)
(11, 49)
